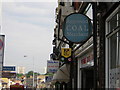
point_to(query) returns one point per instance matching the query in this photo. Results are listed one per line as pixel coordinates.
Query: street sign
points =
(66, 52)
(8, 68)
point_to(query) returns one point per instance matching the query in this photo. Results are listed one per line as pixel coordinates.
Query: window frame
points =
(108, 35)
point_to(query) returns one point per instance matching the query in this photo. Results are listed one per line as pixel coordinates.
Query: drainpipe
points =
(71, 67)
(94, 6)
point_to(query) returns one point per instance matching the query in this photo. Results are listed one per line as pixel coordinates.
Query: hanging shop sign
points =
(66, 52)
(52, 66)
(77, 27)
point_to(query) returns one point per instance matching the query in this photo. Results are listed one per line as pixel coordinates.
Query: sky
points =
(28, 28)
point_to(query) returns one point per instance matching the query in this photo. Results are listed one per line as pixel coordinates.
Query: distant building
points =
(21, 70)
(29, 82)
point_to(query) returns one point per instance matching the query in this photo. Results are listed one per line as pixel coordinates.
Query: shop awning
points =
(62, 75)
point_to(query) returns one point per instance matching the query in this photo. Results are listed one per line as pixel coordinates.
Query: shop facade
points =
(108, 47)
(108, 50)
(85, 65)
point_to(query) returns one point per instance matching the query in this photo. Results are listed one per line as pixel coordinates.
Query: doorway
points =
(87, 79)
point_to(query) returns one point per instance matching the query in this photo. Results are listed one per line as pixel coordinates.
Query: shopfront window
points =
(112, 23)
(119, 17)
(113, 49)
(119, 51)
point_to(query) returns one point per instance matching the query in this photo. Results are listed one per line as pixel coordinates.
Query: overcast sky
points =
(28, 28)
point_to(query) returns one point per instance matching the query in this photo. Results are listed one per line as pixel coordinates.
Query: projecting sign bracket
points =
(63, 41)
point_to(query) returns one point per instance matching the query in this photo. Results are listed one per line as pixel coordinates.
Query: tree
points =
(19, 75)
(30, 73)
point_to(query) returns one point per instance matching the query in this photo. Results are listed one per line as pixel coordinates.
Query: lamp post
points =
(33, 71)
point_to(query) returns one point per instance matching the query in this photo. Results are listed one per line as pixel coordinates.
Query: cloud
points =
(25, 33)
(28, 0)
(28, 32)
(26, 12)
(24, 9)
(41, 21)
(32, 40)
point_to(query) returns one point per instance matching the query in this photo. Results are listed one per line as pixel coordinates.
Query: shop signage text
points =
(77, 27)
(52, 66)
(8, 68)
(87, 60)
